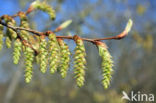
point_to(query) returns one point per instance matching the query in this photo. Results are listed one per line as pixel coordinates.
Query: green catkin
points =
(54, 53)
(79, 61)
(29, 57)
(17, 51)
(8, 42)
(65, 58)
(1, 37)
(11, 33)
(45, 8)
(107, 64)
(25, 35)
(43, 54)
(24, 23)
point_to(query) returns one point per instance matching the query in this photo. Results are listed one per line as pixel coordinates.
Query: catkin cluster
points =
(45, 8)
(79, 61)
(23, 23)
(50, 50)
(10, 34)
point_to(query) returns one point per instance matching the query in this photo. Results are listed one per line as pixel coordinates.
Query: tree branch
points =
(26, 43)
(120, 36)
(18, 35)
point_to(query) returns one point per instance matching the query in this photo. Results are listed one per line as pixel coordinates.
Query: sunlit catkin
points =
(45, 8)
(107, 64)
(11, 22)
(24, 24)
(10, 32)
(65, 58)
(17, 51)
(8, 42)
(29, 57)
(79, 61)
(43, 54)
(54, 53)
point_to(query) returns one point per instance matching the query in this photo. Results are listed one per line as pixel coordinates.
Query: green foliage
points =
(65, 24)
(129, 26)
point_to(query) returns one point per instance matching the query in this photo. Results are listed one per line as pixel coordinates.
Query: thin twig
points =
(63, 37)
(20, 28)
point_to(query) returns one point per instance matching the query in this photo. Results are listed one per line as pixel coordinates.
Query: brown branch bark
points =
(120, 36)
